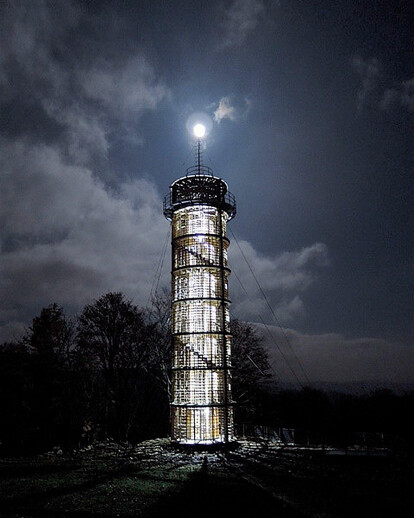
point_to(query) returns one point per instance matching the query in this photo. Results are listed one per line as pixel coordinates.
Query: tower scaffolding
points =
(199, 206)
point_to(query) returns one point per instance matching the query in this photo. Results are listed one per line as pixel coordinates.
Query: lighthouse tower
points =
(199, 206)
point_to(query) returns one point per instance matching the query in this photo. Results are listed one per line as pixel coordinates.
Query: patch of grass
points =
(123, 496)
(151, 485)
(91, 487)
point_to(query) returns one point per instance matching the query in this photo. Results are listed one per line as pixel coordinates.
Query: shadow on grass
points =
(33, 502)
(216, 496)
(200, 494)
(35, 469)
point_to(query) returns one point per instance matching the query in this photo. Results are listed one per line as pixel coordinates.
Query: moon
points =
(199, 130)
(199, 118)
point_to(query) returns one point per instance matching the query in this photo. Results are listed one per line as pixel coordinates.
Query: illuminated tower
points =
(199, 207)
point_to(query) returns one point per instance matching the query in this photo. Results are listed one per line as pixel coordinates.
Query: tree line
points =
(106, 373)
(103, 374)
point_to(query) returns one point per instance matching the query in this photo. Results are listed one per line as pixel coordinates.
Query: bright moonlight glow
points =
(196, 119)
(199, 130)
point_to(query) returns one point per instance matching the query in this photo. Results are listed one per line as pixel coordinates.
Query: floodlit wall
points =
(202, 407)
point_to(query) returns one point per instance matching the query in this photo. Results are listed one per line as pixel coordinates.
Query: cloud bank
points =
(67, 238)
(76, 90)
(333, 358)
(283, 278)
(70, 231)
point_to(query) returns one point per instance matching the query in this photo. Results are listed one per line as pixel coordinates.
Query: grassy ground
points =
(154, 480)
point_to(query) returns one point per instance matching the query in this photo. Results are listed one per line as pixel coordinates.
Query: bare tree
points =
(114, 330)
(250, 363)
(118, 340)
(161, 350)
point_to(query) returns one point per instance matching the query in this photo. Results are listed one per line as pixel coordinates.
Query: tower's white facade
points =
(199, 207)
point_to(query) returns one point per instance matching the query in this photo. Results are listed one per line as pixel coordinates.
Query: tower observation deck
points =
(199, 206)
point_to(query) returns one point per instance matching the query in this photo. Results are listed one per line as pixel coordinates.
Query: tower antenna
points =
(199, 156)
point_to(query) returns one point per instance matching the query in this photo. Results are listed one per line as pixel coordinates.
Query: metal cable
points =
(158, 272)
(276, 320)
(273, 339)
(276, 375)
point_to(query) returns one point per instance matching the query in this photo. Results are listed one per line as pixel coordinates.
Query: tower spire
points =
(199, 157)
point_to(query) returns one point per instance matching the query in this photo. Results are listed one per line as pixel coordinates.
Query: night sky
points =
(312, 109)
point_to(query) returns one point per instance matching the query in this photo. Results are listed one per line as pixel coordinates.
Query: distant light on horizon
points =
(199, 130)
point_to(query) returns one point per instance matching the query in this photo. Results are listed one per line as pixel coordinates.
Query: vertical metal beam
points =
(173, 416)
(224, 335)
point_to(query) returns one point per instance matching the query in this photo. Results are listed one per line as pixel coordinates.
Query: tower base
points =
(211, 447)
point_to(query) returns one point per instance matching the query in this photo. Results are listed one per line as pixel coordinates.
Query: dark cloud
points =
(400, 96)
(239, 19)
(374, 89)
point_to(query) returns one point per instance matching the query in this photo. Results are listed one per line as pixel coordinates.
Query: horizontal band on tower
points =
(218, 267)
(197, 368)
(209, 333)
(204, 405)
(218, 236)
(190, 299)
